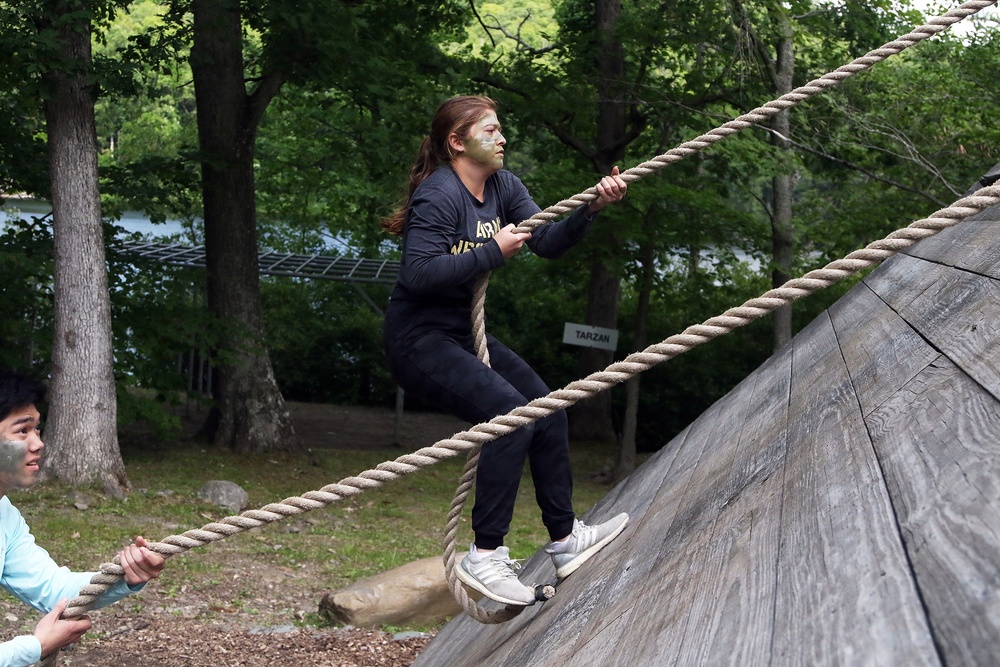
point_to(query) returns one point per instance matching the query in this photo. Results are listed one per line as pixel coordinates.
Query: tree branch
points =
(744, 26)
(911, 154)
(552, 126)
(267, 87)
(475, 12)
(522, 46)
(856, 167)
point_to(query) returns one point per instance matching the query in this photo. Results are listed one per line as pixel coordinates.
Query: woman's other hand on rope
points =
(140, 564)
(510, 242)
(611, 189)
(54, 632)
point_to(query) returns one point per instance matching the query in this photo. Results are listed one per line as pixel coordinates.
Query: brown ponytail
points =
(456, 115)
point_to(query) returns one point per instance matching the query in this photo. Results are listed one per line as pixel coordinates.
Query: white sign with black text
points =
(588, 336)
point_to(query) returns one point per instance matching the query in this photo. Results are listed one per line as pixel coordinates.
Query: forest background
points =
(270, 125)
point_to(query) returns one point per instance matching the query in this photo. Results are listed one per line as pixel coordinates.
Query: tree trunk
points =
(81, 428)
(782, 229)
(626, 447)
(252, 413)
(591, 418)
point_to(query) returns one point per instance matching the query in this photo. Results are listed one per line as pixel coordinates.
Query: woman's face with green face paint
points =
(20, 449)
(485, 142)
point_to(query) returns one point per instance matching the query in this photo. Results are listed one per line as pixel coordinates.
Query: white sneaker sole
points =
(572, 566)
(478, 586)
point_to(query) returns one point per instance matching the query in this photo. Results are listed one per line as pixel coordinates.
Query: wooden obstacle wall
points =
(841, 506)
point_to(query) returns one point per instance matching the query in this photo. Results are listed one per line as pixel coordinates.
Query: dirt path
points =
(159, 642)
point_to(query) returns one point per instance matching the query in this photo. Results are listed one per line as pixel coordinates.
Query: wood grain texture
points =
(686, 580)
(732, 618)
(973, 245)
(593, 597)
(845, 594)
(660, 563)
(955, 310)
(939, 443)
(881, 350)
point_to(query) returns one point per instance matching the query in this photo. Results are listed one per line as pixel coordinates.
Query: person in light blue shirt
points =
(26, 570)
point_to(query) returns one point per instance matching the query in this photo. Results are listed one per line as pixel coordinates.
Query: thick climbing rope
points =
(677, 154)
(471, 440)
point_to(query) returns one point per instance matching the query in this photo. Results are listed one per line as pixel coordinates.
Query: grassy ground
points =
(320, 550)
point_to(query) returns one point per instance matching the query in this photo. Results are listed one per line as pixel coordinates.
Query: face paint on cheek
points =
(482, 146)
(483, 149)
(12, 456)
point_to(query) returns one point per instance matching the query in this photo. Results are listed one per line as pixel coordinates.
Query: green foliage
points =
(22, 151)
(330, 169)
(26, 294)
(326, 342)
(895, 145)
(146, 123)
(159, 316)
(151, 409)
(531, 25)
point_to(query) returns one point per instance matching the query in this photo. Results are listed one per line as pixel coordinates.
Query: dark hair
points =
(18, 391)
(456, 115)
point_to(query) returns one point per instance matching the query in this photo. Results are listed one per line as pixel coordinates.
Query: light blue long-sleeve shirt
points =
(30, 574)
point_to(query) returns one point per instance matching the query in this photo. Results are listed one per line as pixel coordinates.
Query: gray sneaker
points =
(494, 577)
(584, 542)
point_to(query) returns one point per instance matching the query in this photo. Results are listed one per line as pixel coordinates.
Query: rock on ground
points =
(414, 594)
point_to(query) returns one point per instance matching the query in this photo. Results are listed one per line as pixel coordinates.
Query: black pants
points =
(444, 370)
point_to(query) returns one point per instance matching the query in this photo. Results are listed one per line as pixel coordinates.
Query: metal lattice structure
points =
(316, 266)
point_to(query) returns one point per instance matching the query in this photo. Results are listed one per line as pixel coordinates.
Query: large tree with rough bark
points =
(252, 414)
(81, 427)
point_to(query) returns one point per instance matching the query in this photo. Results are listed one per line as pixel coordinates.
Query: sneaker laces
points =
(511, 564)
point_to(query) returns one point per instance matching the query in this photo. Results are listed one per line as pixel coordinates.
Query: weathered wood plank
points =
(927, 435)
(665, 558)
(973, 245)
(938, 440)
(845, 593)
(732, 619)
(604, 647)
(631, 581)
(953, 309)
(881, 350)
(684, 580)
(663, 562)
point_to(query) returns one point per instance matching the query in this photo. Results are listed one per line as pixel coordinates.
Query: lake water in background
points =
(132, 221)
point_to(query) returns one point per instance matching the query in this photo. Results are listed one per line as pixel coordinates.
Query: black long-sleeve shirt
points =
(448, 242)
